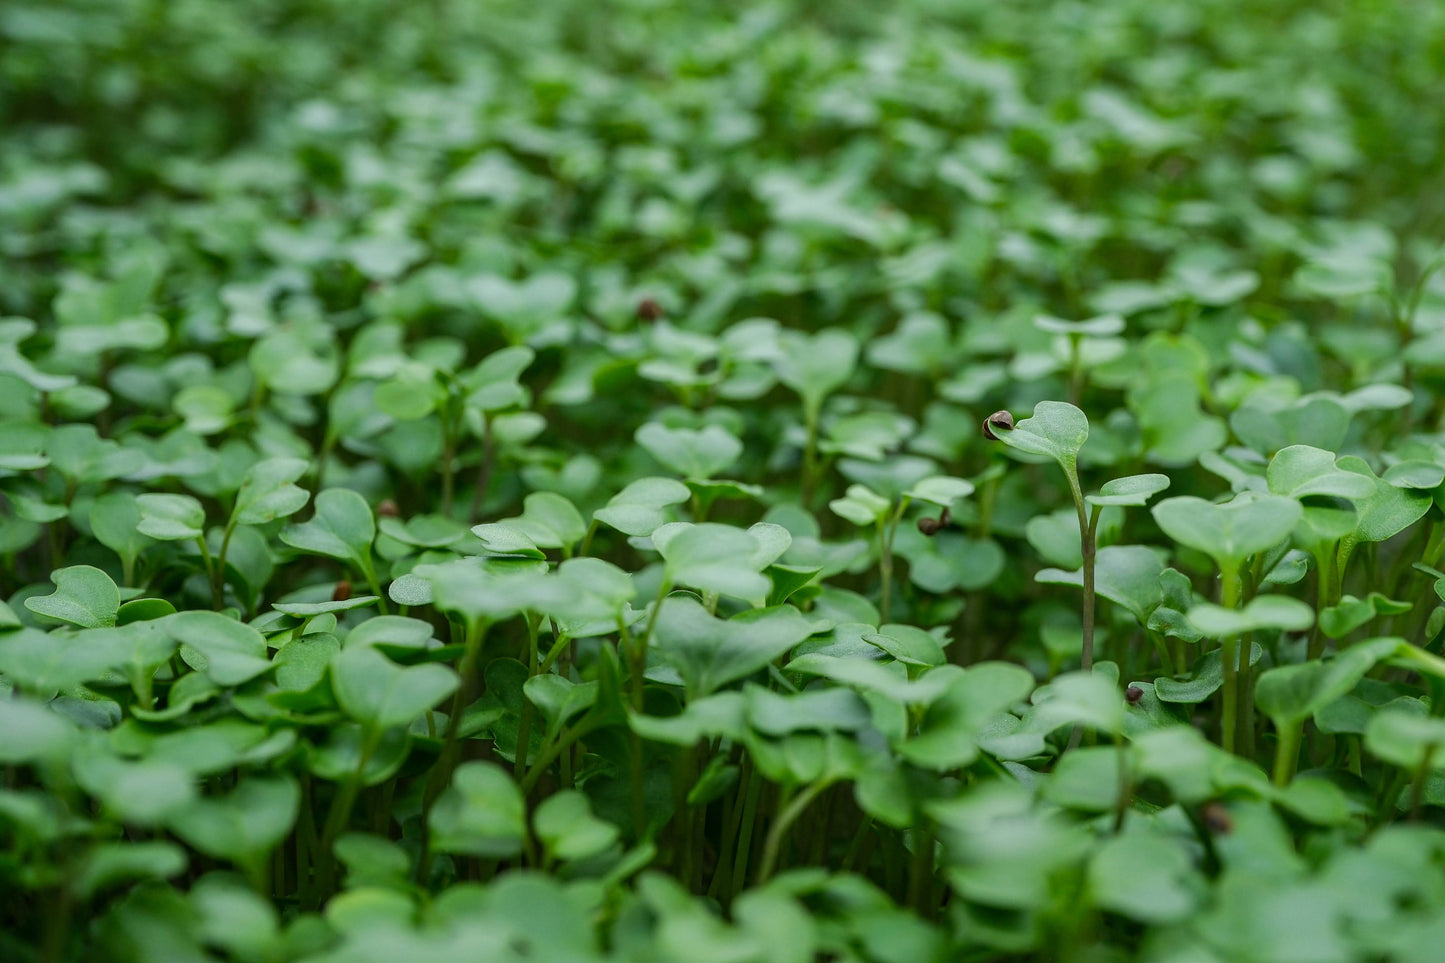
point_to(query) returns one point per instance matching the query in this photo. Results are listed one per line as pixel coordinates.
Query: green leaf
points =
(550, 521)
(948, 735)
(1318, 421)
(42, 663)
(206, 409)
(1132, 490)
(1125, 574)
(79, 454)
(1146, 876)
(227, 651)
(722, 714)
(306, 610)
(861, 506)
(816, 365)
(941, 490)
(412, 392)
(267, 492)
(33, 732)
(721, 558)
(1056, 430)
(423, 531)
(380, 694)
(244, 825)
(354, 752)
(22, 446)
(588, 592)
(506, 538)
(1300, 471)
(144, 792)
(558, 698)
(1406, 739)
(1104, 326)
(1315, 800)
(1351, 613)
(824, 710)
(920, 345)
(393, 635)
(301, 663)
(1231, 532)
(480, 814)
(492, 385)
(908, 644)
(568, 830)
(83, 596)
(115, 521)
(1337, 274)
(641, 507)
(372, 861)
(1290, 694)
(342, 528)
(709, 652)
(296, 359)
(232, 916)
(1386, 510)
(692, 453)
(1004, 851)
(171, 518)
(1085, 778)
(1205, 678)
(868, 435)
(110, 864)
(1079, 698)
(1262, 612)
(479, 590)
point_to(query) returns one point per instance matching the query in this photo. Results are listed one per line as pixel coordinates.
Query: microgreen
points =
(484, 481)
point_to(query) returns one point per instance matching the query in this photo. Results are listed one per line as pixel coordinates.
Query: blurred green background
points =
(915, 139)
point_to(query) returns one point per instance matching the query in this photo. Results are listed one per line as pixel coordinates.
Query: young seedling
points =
(1057, 430)
(863, 506)
(815, 366)
(1230, 534)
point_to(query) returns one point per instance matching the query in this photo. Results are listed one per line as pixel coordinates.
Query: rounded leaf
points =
(1056, 430)
(1231, 532)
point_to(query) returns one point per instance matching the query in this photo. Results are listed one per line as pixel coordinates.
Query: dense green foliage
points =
(492, 481)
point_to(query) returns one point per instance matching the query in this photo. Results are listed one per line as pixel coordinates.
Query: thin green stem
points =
(218, 584)
(341, 807)
(745, 833)
(484, 472)
(1076, 370)
(587, 539)
(1166, 657)
(812, 413)
(1229, 659)
(549, 755)
(788, 815)
(524, 725)
(722, 872)
(467, 669)
(887, 528)
(1286, 752)
(1324, 585)
(374, 584)
(1126, 783)
(637, 661)
(1089, 545)
(1390, 797)
(212, 573)
(920, 872)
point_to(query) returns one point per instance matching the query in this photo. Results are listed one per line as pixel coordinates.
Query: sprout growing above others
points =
(1058, 431)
